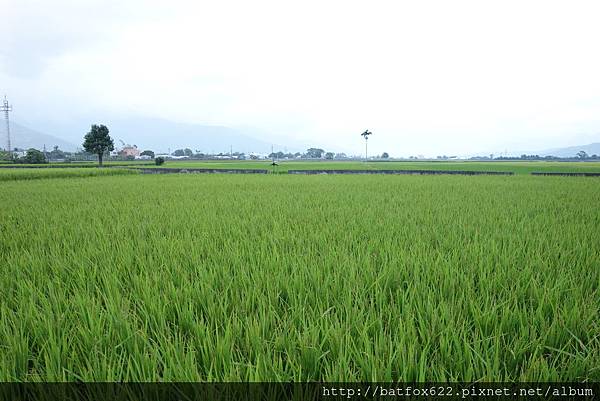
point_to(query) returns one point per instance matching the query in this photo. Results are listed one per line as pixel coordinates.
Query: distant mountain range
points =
(163, 135)
(147, 133)
(25, 138)
(571, 151)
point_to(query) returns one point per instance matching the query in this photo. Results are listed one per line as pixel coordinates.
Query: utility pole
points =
(366, 136)
(6, 108)
(273, 162)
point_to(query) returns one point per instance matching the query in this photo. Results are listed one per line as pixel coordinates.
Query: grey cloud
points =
(34, 33)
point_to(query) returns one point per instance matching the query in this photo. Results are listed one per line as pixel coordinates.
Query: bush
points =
(159, 161)
(33, 156)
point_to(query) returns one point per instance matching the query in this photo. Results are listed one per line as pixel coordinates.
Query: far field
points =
(283, 166)
(21, 174)
(519, 167)
(279, 277)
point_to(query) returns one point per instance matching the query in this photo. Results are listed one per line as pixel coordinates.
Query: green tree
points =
(329, 155)
(34, 156)
(276, 155)
(98, 142)
(147, 153)
(582, 154)
(56, 153)
(314, 153)
(178, 152)
(188, 152)
(385, 155)
(159, 161)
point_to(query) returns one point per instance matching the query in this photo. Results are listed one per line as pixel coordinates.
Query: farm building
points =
(129, 150)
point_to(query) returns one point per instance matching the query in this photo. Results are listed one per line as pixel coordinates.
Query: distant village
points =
(127, 152)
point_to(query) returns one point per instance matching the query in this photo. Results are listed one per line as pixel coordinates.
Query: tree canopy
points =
(582, 154)
(98, 141)
(314, 153)
(34, 156)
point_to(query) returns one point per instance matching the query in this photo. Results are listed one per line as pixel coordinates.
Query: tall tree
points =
(98, 142)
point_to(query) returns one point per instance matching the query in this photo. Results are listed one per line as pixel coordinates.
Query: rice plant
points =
(14, 174)
(525, 167)
(279, 277)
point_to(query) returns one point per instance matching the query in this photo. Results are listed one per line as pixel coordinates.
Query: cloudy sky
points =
(426, 77)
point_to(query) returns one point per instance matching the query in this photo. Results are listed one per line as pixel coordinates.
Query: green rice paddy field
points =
(283, 166)
(23, 174)
(283, 277)
(519, 167)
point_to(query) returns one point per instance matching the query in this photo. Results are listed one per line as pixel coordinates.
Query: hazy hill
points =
(161, 135)
(24, 137)
(571, 151)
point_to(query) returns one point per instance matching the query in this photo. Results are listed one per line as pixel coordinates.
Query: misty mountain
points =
(571, 151)
(161, 135)
(25, 138)
(566, 152)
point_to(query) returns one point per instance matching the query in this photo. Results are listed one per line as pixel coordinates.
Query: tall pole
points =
(366, 135)
(6, 108)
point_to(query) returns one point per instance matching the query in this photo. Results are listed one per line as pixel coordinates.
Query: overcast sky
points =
(429, 77)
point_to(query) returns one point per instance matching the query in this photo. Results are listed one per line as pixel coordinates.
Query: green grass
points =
(516, 167)
(108, 163)
(276, 277)
(37, 173)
